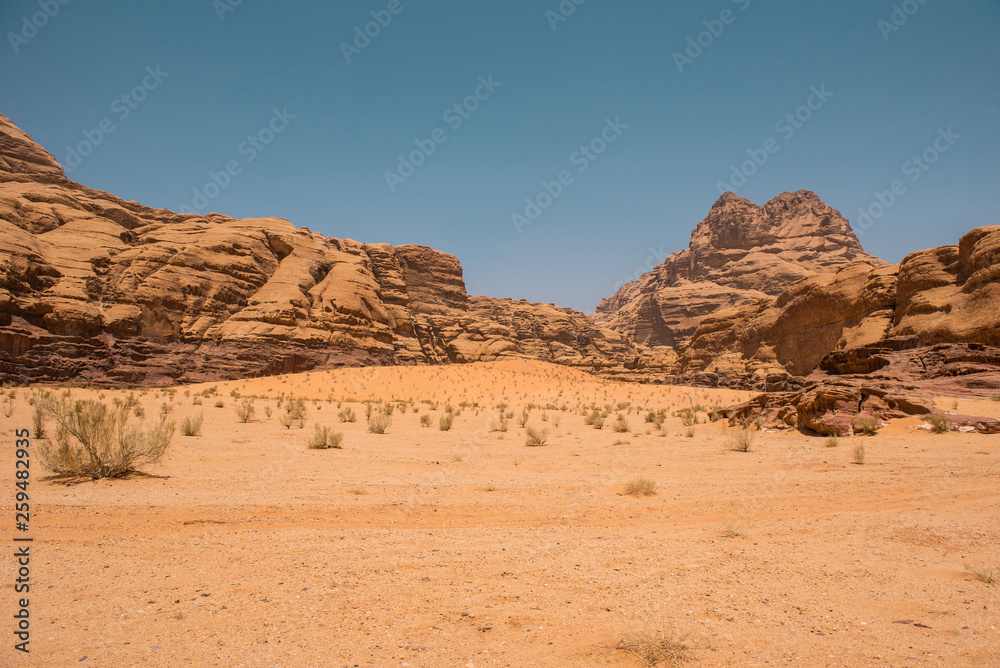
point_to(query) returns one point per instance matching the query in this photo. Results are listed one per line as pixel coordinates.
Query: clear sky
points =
(310, 127)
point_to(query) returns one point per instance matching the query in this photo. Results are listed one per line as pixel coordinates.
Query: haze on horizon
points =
(627, 120)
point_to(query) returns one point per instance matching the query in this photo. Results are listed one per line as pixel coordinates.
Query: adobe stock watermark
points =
(455, 116)
(914, 168)
(786, 127)
(582, 159)
(899, 17)
(655, 257)
(697, 44)
(562, 12)
(121, 107)
(30, 25)
(248, 149)
(223, 7)
(363, 35)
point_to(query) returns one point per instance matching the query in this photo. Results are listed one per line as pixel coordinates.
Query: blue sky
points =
(896, 77)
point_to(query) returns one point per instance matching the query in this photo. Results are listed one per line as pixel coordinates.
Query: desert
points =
(466, 547)
(386, 334)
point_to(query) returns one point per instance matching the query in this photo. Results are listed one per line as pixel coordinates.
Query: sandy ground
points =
(420, 547)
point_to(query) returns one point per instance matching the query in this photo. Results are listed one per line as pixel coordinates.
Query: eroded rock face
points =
(109, 291)
(740, 253)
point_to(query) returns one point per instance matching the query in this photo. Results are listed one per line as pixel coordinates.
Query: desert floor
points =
(421, 547)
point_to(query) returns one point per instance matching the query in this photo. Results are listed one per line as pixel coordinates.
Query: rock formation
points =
(103, 290)
(739, 253)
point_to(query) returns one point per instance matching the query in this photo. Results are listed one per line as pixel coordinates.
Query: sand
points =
(421, 547)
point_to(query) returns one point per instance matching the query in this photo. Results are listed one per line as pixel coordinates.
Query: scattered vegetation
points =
(445, 422)
(346, 414)
(379, 422)
(640, 487)
(621, 424)
(93, 440)
(938, 422)
(245, 410)
(984, 573)
(866, 424)
(535, 437)
(742, 440)
(191, 426)
(325, 438)
(656, 647)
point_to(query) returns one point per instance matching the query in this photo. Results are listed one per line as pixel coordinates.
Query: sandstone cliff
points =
(739, 253)
(103, 290)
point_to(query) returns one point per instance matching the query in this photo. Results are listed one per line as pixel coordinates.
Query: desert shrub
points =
(859, 454)
(445, 422)
(191, 426)
(245, 410)
(866, 424)
(984, 573)
(325, 438)
(688, 416)
(741, 440)
(295, 414)
(139, 411)
(38, 421)
(379, 422)
(690, 432)
(220, 404)
(640, 487)
(832, 441)
(425, 420)
(389, 408)
(8, 407)
(597, 421)
(522, 419)
(196, 401)
(93, 440)
(621, 424)
(651, 416)
(346, 414)
(939, 423)
(716, 413)
(995, 397)
(555, 420)
(500, 424)
(268, 410)
(535, 437)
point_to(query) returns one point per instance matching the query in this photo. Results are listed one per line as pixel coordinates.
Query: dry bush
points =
(938, 422)
(347, 415)
(832, 441)
(555, 420)
(522, 419)
(445, 422)
(325, 438)
(742, 440)
(656, 647)
(425, 420)
(984, 573)
(191, 426)
(196, 401)
(245, 410)
(733, 529)
(93, 440)
(500, 424)
(379, 422)
(866, 424)
(535, 437)
(220, 404)
(38, 422)
(859, 453)
(621, 424)
(640, 487)
(295, 414)
(995, 397)
(690, 432)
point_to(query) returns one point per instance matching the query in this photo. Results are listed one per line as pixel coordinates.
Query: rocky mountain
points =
(739, 253)
(102, 290)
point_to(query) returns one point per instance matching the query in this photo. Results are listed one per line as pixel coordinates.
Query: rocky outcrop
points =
(740, 253)
(107, 291)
